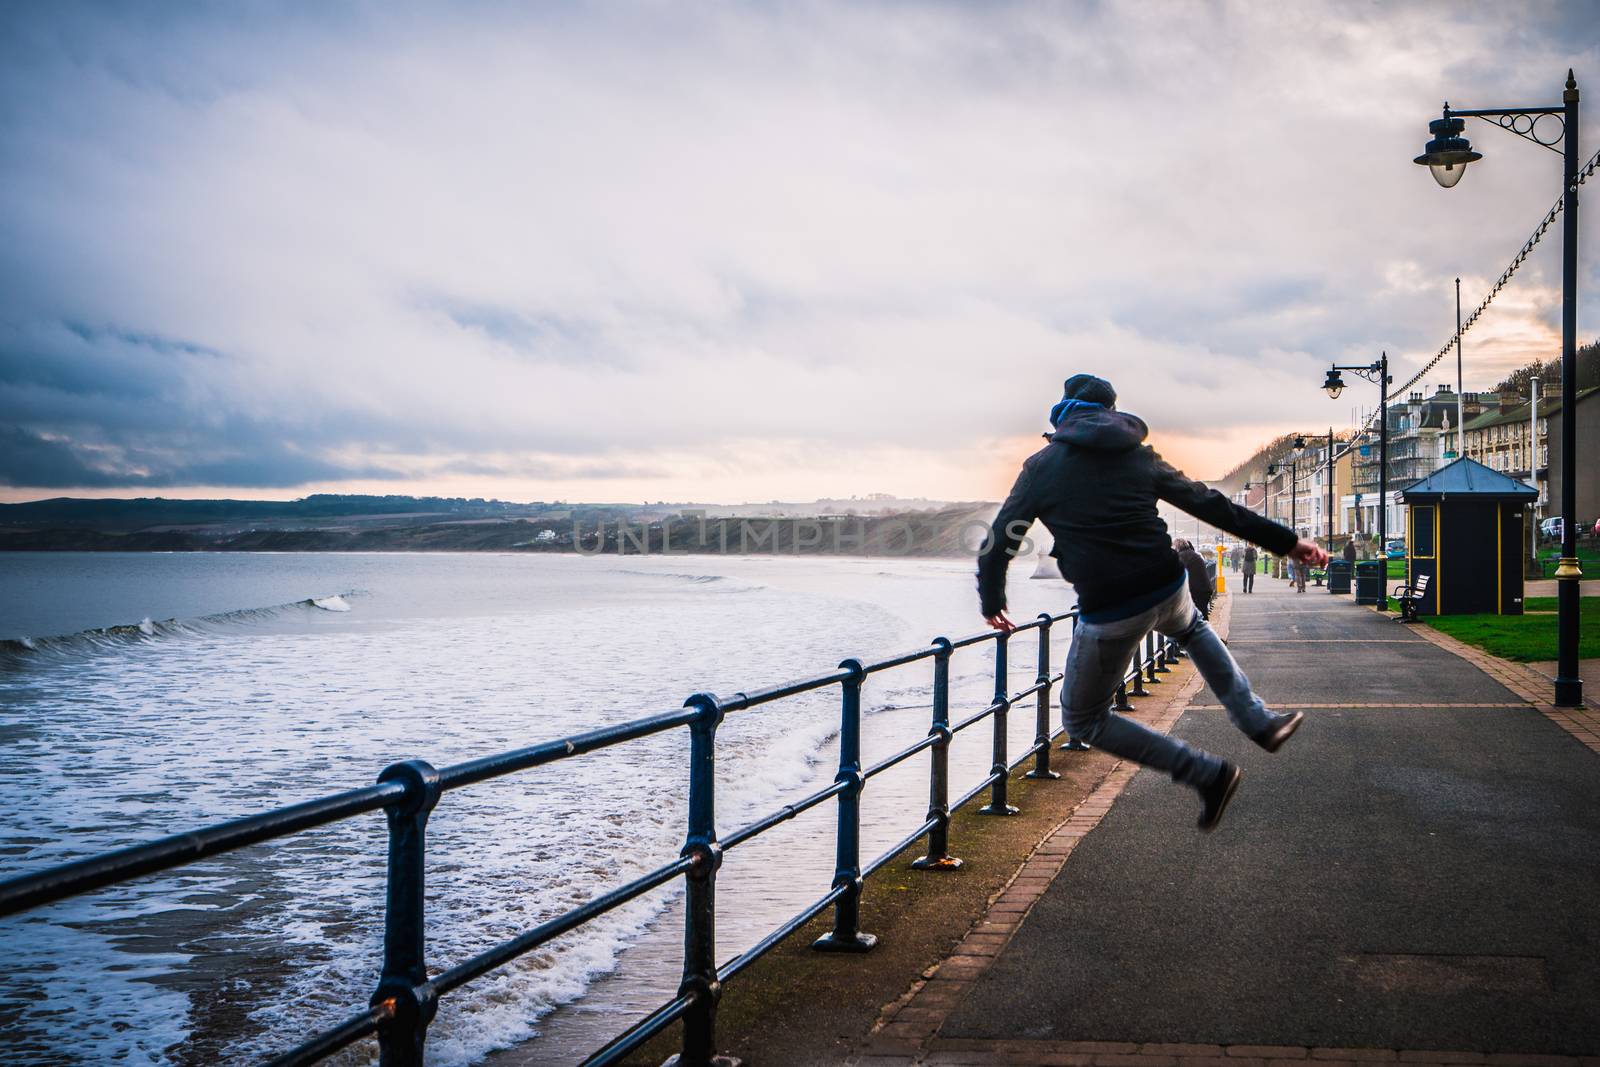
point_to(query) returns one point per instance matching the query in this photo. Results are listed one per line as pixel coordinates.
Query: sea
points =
(148, 694)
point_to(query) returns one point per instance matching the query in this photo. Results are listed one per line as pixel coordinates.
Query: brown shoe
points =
(1287, 724)
(1216, 796)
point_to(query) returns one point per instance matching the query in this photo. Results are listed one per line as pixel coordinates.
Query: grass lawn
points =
(1523, 637)
(1588, 559)
(1591, 569)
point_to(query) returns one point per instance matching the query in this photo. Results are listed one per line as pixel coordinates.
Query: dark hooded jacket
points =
(1095, 487)
(1200, 590)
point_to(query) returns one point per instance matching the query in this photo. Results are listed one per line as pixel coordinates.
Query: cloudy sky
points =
(702, 251)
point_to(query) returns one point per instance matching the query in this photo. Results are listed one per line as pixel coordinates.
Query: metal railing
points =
(406, 999)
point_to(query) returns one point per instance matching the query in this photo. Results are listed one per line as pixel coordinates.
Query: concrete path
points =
(1548, 587)
(1415, 876)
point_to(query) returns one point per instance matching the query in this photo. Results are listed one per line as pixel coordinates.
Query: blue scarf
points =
(1065, 407)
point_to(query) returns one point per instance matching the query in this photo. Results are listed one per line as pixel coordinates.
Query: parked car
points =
(1395, 549)
(1550, 529)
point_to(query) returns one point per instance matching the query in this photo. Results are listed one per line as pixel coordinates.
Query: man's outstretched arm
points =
(1005, 538)
(1207, 504)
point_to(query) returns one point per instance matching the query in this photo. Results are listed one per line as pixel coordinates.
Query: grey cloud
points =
(153, 342)
(29, 459)
(587, 470)
(534, 334)
(269, 245)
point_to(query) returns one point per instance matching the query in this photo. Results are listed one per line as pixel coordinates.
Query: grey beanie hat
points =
(1090, 388)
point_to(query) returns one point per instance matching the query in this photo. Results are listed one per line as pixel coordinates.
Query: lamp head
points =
(1299, 442)
(1447, 153)
(1334, 383)
(1272, 470)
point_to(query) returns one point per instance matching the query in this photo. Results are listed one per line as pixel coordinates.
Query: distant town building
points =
(1423, 438)
(1418, 426)
(1317, 487)
(1499, 439)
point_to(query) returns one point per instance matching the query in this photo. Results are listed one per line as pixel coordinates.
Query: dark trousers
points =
(1250, 578)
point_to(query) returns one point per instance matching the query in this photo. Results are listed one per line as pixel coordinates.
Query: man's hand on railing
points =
(1308, 552)
(1000, 622)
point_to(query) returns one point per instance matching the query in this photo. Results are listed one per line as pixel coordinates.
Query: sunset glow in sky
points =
(725, 252)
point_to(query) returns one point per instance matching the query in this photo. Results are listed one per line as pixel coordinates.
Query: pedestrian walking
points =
(1248, 561)
(1095, 487)
(1350, 551)
(1200, 586)
(1298, 570)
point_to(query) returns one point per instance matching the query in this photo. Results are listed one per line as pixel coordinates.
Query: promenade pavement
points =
(1413, 877)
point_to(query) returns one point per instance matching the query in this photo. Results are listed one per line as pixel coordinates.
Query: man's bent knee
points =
(1085, 724)
(1087, 729)
(1197, 626)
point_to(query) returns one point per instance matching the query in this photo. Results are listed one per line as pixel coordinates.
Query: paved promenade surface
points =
(1415, 876)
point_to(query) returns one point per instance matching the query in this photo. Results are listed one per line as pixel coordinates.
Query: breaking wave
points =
(721, 583)
(694, 579)
(21, 651)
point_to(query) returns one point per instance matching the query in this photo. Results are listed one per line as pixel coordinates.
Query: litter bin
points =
(1338, 576)
(1369, 581)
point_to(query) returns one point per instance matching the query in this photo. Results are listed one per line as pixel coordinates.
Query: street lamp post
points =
(1246, 489)
(1447, 155)
(1294, 485)
(1374, 372)
(1300, 442)
(1329, 544)
(1461, 398)
(1294, 492)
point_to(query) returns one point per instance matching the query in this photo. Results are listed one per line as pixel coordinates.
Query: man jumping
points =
(1095, 487)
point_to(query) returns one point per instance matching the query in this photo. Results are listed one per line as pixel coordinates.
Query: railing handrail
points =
(406, 998)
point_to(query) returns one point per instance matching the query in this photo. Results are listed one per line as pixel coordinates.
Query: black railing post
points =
(1158, 653)
(1041, 728)
(1121, 703)
(404, 981)
(700, 889)
(999, 769)
(1074, 744)
(938, 857)
(1138, 674)
(847, 935)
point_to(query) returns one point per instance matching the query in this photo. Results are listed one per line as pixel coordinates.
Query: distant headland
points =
(877, 525)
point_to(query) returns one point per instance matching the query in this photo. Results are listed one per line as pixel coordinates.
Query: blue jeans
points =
(1098, 660)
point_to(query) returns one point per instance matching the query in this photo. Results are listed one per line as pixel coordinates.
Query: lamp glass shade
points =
(1447, 174)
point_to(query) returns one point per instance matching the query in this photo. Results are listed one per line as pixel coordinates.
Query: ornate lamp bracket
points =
(1370, 373)
(1529, 123)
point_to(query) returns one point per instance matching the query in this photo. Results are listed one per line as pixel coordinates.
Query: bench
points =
(1409, 596)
